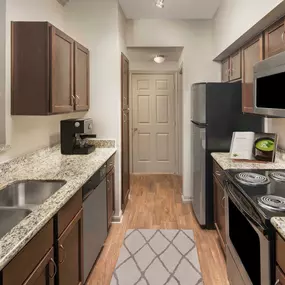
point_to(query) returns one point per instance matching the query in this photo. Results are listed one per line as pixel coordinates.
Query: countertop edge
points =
(279, 225)
(46, 218)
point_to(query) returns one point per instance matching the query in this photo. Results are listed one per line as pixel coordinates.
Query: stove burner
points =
(278, 176)
(272, 203)
(252, 179)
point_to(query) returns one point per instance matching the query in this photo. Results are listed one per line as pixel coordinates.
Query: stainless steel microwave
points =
(269, 86)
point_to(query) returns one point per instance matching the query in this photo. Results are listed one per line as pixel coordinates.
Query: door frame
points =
(177, 100)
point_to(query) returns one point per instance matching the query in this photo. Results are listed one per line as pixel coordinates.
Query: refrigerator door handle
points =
(200, 125)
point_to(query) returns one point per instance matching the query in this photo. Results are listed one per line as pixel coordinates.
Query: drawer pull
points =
(64, 253)
(278, 282)
(218, 173)
(54, 269)
(223, 202)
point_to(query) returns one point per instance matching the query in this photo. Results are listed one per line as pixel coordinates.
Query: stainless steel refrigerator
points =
(216, 114)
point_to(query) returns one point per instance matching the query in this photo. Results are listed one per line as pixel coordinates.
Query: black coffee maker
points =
(74, 134)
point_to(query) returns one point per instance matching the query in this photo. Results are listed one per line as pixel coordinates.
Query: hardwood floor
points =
(156, 204)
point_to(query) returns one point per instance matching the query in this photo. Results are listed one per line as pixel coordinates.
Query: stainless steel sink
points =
(28, 194)
(10, 217)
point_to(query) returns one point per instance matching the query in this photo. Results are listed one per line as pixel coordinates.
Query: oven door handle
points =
(244, 212)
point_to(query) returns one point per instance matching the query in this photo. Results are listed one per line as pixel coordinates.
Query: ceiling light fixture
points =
(159, 3)
(159, 58)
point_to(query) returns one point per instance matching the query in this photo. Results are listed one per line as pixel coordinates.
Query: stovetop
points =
(269, 187)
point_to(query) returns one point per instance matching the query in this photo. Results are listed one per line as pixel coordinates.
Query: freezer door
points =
(198, 103)
(199, 172)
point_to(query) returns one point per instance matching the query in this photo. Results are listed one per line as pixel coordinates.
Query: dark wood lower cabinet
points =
(45, 272)
(110, 196)
(70, 252)
(219, 212)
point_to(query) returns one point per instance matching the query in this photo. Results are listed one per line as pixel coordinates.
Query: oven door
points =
(249, 252)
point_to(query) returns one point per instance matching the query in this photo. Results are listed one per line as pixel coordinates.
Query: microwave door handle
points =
(244, 212)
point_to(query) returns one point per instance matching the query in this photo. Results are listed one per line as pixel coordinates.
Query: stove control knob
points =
(77, 125)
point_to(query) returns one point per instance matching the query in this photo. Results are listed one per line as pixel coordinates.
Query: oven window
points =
(269, 91)
(246, 243)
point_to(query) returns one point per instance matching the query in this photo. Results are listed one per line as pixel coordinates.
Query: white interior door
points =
(153, 123)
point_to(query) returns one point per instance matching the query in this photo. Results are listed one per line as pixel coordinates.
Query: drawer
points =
(218, 172)
(110, 163)
(280, 277)
(68, 212)
(280, 252)
(24, 263)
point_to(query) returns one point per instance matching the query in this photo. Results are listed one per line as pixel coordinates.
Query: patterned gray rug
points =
(158, 257)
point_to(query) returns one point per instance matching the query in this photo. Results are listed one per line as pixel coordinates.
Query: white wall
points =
(26, 134)
(100, 26)
(234, 18)
(152, 66)
(196, 38)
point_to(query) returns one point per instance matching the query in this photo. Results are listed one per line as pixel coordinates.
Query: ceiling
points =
(147, 54)
(174, 9)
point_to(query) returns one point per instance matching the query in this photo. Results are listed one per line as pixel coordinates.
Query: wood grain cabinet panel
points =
(62, 64)
(219, 212)
(50, 71)
(274, 39)
(81, 72)
(235, 66)
(110, 196)
(70, 252)
(45, 272)
(225, 70)
(251, 54)
(280, 276)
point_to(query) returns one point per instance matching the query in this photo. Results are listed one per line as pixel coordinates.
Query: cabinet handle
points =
(218, 173)
(64, 253)
(278, 281)
(282, 36)
(77, 97)
(125, 118)
(54, 269)
(223, 199)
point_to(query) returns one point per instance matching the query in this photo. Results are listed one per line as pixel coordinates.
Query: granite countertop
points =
(224, 160)
(47, 164)
(279, 224)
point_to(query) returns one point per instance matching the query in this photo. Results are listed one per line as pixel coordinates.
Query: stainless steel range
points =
(253, 197)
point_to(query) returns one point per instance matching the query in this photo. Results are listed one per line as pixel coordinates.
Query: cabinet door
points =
(70, 253)
(45, 272)
(235, 66)
(219, 212)
(81, 77)
(62, 72)
(110, 196)
(125, 131)
(274, 39)
(225, 70)
(251, 54)
(280, 276)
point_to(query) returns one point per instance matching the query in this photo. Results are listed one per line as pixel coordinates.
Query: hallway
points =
(156, 204)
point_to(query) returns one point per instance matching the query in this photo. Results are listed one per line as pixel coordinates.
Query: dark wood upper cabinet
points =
(110, 196)
(235, 66)
(225, 70)
(48, 70)
(251, 54)
(62, 74)
(274, 39)
(70, 252)
(81, 72)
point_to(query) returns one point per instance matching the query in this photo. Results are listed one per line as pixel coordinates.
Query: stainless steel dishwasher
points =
(94, 219)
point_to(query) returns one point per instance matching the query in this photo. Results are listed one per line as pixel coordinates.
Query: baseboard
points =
(118, 219)
(185, 199)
